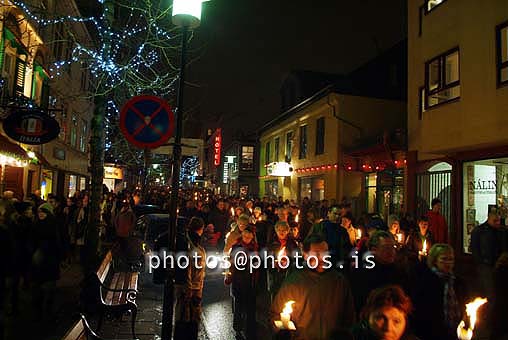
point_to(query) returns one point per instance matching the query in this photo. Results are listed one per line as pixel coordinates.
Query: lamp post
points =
(186, 15)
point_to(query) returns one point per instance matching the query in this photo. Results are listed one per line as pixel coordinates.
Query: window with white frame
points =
(442, 78)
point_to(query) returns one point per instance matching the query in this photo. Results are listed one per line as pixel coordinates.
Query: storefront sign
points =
(279, 169)
(113, 172)
(31, 127)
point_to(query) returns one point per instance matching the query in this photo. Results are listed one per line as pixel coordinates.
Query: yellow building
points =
(457, 110)
(27, 50)
(302, 150)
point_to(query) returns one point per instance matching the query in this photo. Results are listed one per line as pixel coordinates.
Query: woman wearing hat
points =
(45, 261)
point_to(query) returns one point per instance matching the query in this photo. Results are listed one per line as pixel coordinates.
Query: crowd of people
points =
(408, 288)
(392, 281)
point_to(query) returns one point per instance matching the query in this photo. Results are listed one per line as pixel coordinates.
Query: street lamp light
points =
(186, 15)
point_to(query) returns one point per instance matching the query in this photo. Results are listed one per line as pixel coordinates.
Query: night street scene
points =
(254, 169)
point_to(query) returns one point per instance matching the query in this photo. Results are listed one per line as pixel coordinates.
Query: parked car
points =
(144, 209)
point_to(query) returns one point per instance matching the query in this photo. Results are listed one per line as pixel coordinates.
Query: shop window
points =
(442, 79)
(73, 185)
(320, 136)
(82, 183)
(276, 147)
(502, 54)
(371, 192)
(46, 183)
(272, 188)
(247, 158)
(289, 146)
(303, 142)
(313, 188)
(485, 188)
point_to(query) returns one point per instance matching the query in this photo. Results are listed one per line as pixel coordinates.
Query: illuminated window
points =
(431, 4)
(289, 146)
(502, 53)
(442, 79)
(247, 158)
(83, 137)
(74, 132)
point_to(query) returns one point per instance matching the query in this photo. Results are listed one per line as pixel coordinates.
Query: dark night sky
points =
(249, 46)
(245, 48)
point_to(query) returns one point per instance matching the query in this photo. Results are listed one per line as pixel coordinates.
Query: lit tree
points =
(133, 54)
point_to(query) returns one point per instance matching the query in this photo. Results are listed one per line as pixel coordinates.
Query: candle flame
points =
(471, 311)
(358, 233)
(281, 253)
(288, 307)
(232, 211)
(399, 237)
(250, 209)
(424, 247)
(297, 216)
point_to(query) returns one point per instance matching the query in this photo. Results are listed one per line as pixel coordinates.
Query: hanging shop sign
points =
(279, 169)
(147, 121)
(217, 145)
(33, 127)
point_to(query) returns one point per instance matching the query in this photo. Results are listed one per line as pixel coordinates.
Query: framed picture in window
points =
(470, 215)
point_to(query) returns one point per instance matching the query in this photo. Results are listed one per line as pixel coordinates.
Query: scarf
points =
(450, 304)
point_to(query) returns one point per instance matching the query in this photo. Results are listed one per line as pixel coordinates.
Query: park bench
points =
(81, 330)
(118, 296)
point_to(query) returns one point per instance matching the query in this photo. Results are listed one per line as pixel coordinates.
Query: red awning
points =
(10, 148)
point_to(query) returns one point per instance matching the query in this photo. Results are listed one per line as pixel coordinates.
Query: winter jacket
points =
(47, 250)
(323, 303)
(219, 219)
(438, 227)
(197, 264)
(124, 222)
(428, 301)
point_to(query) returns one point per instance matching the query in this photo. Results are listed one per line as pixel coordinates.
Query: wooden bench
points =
(81, 330)
(119, 296)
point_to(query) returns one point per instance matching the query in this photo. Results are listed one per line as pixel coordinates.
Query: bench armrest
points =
(131, 294)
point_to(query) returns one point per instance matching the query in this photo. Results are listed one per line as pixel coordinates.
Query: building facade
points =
(303, 151)
(457, 112)
(239, 169)
(27, 51)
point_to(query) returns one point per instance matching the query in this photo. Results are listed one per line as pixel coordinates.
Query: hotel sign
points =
(217, 144)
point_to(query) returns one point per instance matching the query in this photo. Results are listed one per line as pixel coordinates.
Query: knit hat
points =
(47, 208)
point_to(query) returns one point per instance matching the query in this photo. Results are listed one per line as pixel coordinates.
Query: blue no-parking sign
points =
(147, 121)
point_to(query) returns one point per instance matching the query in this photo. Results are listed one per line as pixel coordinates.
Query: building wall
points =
(480, 116)
(341, 112)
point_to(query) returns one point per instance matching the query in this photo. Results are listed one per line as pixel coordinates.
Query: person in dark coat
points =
(385, 316)
(498, 314)
(219, 218)
(6, 256)
(20, 225)
(379, 270)
(420, 239)
(45, 261)
(438, 296)
(243, 287)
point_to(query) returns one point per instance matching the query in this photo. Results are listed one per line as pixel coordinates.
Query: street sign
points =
(31, 126)
(147, 121)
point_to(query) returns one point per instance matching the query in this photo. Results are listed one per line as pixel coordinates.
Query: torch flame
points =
(232, 211)
(250, 209)
(471, 311)
(288, 309)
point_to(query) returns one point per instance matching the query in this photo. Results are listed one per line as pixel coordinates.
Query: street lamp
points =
(186, 15)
